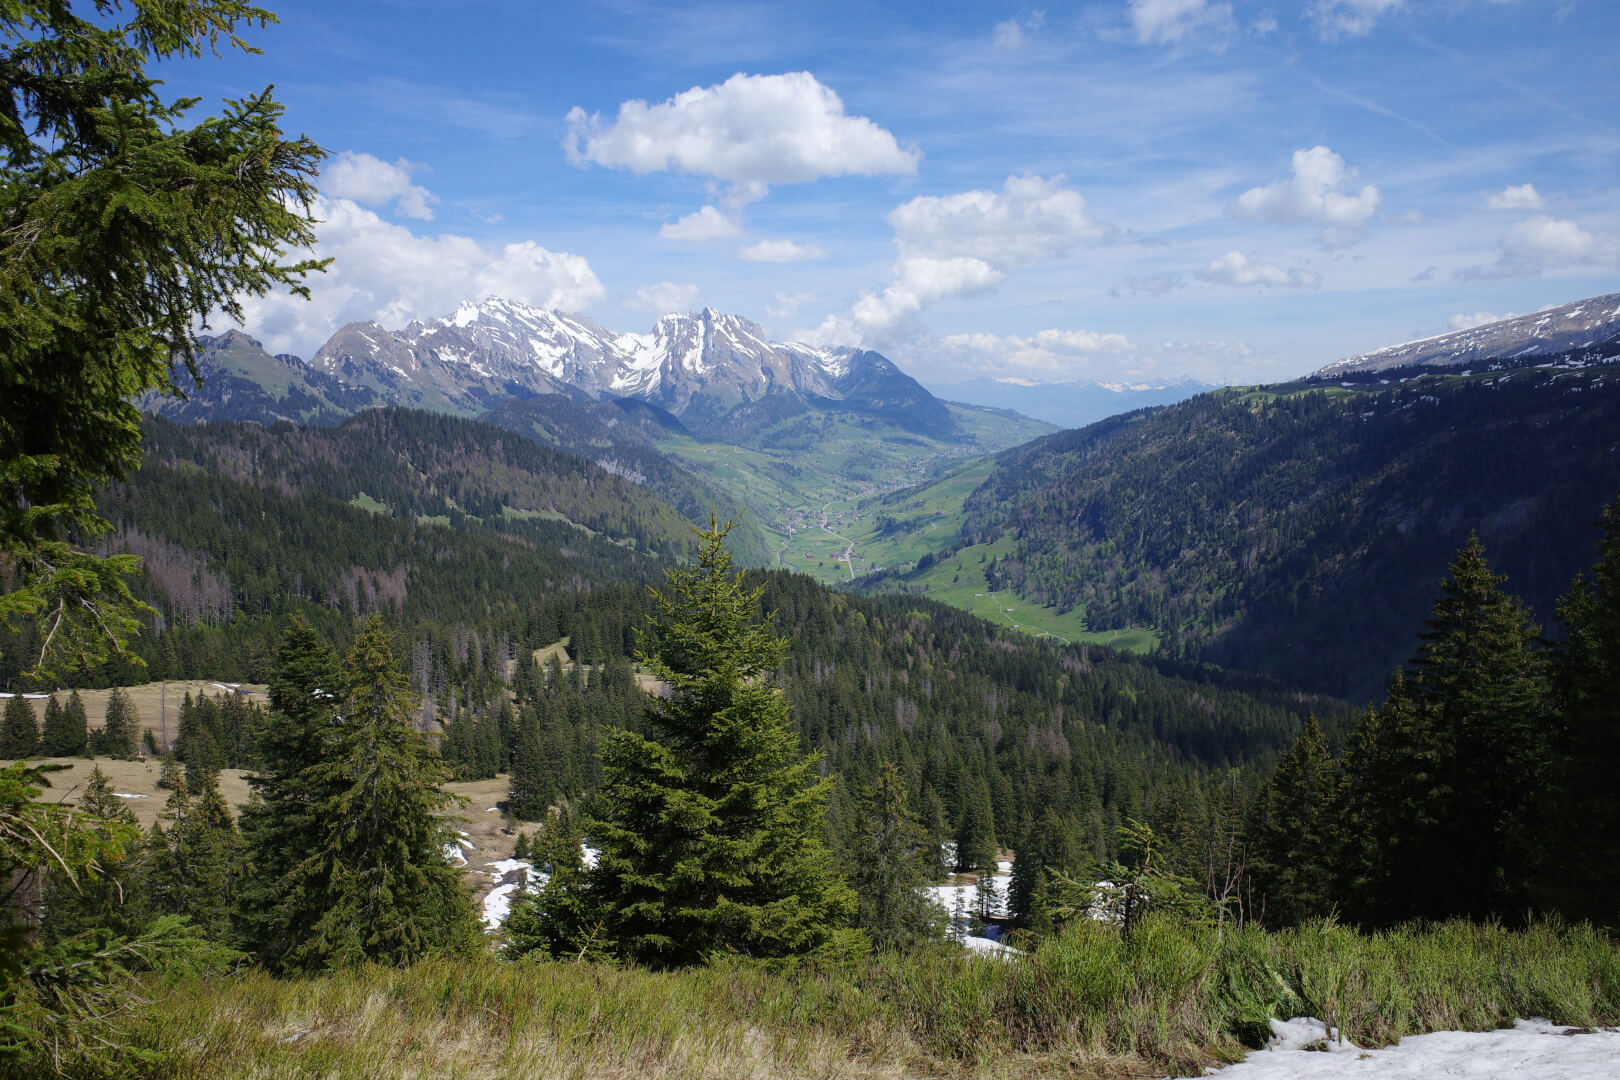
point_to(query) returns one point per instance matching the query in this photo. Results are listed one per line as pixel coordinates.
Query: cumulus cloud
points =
(374, 182)
(1029, 219)
(1046, 352)
(1169, 21)
(1319, 191)
(919, 282)
(1541, 243)
(762, 129)
(664, 297)
(1338, 19)
(958, 245)
(701, 225)
(383, 272)
(1478, 318)
(1238, 270)
(780, 251)
(1519, 197)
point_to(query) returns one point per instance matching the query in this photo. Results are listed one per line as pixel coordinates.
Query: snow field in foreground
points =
(1529, 1050)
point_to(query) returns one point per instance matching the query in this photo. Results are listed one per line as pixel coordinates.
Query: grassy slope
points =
(896, 531)
(803, 467)
(1171, 999)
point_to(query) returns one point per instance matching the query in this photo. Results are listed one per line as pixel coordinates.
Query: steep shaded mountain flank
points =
(1302, 531)
(242, 381)
(415, 465)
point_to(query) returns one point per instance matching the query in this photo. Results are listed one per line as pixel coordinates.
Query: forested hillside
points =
(1301, 529)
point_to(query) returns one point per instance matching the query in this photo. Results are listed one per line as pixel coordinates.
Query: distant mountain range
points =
(699, 367)
(1584, 324)
(1074, 403)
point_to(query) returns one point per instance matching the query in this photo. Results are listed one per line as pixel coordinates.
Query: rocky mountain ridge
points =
(1514, 341)
(698, 366)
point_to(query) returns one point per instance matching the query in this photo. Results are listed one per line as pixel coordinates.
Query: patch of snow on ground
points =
(452, 853)
(127, 795)
(1529, 1050)
(498, 904)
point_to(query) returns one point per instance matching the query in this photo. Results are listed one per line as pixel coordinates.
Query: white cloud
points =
(1478, 318)
(1541, 243)
(1319, 192)
(375, 182)
(1548, 243)
(383, 272)
(958, 245)
(701, 225)
(919, 282)
(1029, 219)
(1238, 270)
(1167, 21)
(1337, 19)
(780, 251)
(1519, 197)
(762, 129)
(1047, 351)
(664, 297)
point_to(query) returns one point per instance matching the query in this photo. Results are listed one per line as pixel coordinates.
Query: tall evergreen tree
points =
(378, 884)
(64, 734)
(1585, 814)
(890, 859)
(710, 832)
(1296, 833)
(1446, 776)
(77, 720)
(285, 823)
(120, 730)
(194, 865)
(19, 729)
(1048, 848)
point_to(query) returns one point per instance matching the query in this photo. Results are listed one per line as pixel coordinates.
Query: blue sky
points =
(1127, 189)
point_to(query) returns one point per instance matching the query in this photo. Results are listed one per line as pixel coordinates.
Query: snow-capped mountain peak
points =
(497, 346)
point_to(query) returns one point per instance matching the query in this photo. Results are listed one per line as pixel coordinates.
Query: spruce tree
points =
(1048, 848)
(194, 865)
(1446, 780)
(285, 823)
(120, 730)
(78, 721)
(64, 734)
(1296, 833)
(19, 729)
(890, 859)
(1584, 812)
(377, 884)
(710, 830)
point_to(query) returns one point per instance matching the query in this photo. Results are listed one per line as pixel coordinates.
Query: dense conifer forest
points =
(1300, 530)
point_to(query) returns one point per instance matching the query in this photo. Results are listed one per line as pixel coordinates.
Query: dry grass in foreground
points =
(1172, 999)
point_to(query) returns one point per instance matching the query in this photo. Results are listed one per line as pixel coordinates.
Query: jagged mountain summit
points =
(1579, 325)
(701, 367)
